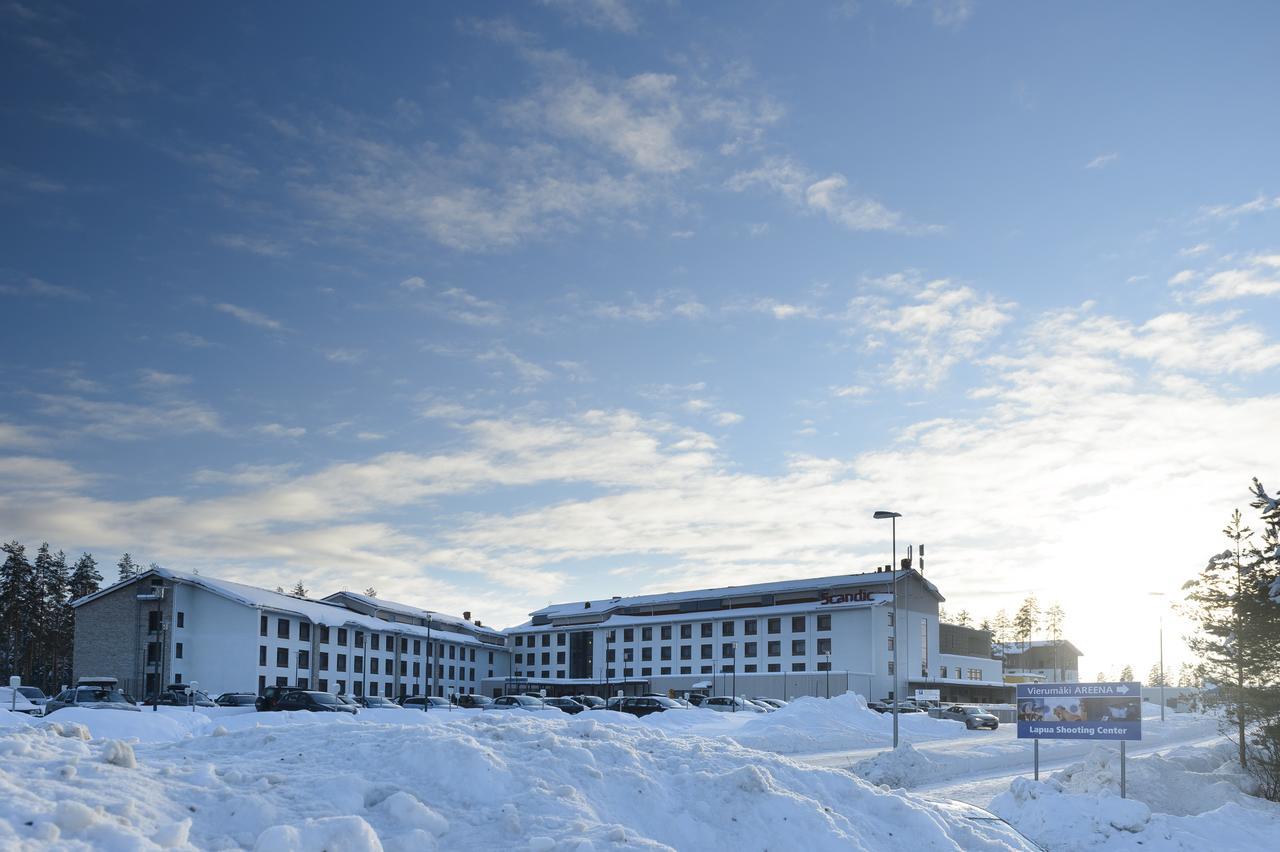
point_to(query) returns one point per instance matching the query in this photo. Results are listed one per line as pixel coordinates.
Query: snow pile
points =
(448, 781)
(1192, 798)
(899, 767)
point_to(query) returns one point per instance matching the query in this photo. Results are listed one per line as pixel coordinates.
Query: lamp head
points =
(880, 516)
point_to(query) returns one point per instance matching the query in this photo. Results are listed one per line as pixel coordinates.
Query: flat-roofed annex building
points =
(782, 639)
(167, 626)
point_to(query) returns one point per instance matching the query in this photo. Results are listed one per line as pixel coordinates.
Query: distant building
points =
(1041, 660)
(167, 626)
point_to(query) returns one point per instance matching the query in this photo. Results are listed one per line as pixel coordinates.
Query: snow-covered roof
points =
(317, 612)
(1022, 647)
(869, 578)
(437, 618)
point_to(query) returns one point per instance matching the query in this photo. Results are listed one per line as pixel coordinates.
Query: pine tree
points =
(1156, 677)
(963, 619)
(54, 632)
(371, 592)
(1053, 619)
(298, 590)
(17, 607)
(1126, 673)
(128, 569)
(1238, 642)
(1000, 630)
(1101, 678)
(1026, 620)
(85, 578)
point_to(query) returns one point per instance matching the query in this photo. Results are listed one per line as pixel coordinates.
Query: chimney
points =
(466, 616)
(478, 624)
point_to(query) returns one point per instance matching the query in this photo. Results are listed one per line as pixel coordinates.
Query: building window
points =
(749, 627)
(373, 665)
(453, 651)
(324, 664)
(304, 659)
(890, 643)
(797, 667)
(546, 657)
(628, 634)
(282, 681)
(282, 658)
(546, 640)
(560, 657)
(824, 666)
(153, 652)
(177, 651)
(706, 652)
(824, 646)
(797, 624)
(726, 669)
(153, 621)
(490, 659)
(686, 670)
(404, 668)
(182, 618)
(774, 626)
(324, 685)
(891, 667)
(775, 649)
(262, 626)
(404, 645)
(705, 627)
(666, 670)
(726, 651)
(388, 668)
(262, 655)
(750, 649)
(342, 662)
(417, 647)
(975, 674)
(262, 684)
(374, 640)
(891, 617)
(644, 672)
(924, 647)
(324, 634)
(282, 628)
(824, 621)
(775, 667)
(646, 654)
(665, 652)
(304, 631)
(797, 648)
(519, 640)
(665, 633)
(942, 671)
(373, 688)
(726, 628)
(559, 641)
(417, 672)
(357, 665)
(342, 636)
(686, 631)
(646, 634)
(749, 668)
(611, 656)
(708, 669)
(471, 656)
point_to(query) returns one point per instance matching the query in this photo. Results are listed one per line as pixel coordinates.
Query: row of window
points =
(302, 660)
(728, 651)
(706, 630)
(377, 641)
(358, 688)
(647, 671)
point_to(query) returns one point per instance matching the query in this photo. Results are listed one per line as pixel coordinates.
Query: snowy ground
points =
(399, 779)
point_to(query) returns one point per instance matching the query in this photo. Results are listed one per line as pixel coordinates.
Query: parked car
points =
(766, 707)
(972, 716)
(730, 704)
(236, 699)
(11, 699)
(376, 702)
(433, 702)
(315, 702)
(520, 702)
(568, 705)
(472, 701)
(645, 705)
(591, 702)
(878, 706)
(697, 698)
(175, 695)
(775, 703)
(34, 694)
(90, 698)
(349, 701)
(270, 697)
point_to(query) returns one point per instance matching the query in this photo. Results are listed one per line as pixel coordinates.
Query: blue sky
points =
(495, 305)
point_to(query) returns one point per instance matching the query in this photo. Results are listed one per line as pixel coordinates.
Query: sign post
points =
(1080, 711)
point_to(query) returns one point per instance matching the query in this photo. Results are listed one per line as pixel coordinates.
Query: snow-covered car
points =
(433, 702)
(763, 705)
(176, 695)
(521, 702)
(314, 702)
(90, 698)
(730, 704)
(973, 717)
(236, 699)
(34, 694)
(11, 699)
(377, 702)
(775, 703)
(591, 702)
(471, 701)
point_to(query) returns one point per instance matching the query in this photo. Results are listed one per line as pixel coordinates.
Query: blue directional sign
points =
(1080, 711)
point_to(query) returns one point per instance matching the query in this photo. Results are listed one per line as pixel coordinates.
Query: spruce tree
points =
(963, 619)
(1126, 674)
(1053, 619)
(1156, 677)
(17, 604)
(1026, 620)
(128, 568)
(85, 578)
(1238, 642)
(298, 590)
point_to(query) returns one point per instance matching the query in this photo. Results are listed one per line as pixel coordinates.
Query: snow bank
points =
(512, 780)
(1192, 798)
(899, 767)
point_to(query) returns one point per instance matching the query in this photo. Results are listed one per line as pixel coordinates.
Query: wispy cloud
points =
(1260, 204)
(248, 316)
(1102, 161)
(279, 430)
(128, 421)
(528, 373)
(158, 379)
(42, 289)
(613, 15)
(253, 245)
(344, 356)
(666, 305)
(1254, 275)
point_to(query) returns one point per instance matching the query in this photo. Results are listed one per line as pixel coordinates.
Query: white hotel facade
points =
(819, 636)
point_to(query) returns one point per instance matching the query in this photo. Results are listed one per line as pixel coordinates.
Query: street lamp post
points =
(828, 675)
(1161, 595)
(893, 520)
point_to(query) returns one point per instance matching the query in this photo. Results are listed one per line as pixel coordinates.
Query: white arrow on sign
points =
(1122, 689)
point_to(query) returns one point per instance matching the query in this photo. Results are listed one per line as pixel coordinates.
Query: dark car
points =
(646, 704)
(236, 699)
(472, 702)
(315, 702)
(973, 717)
(530, 703)
(432, 702)
(176, 696)
(90, 697)
(270, 697)
(568, 705)
(591, 702)
(376, 702)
